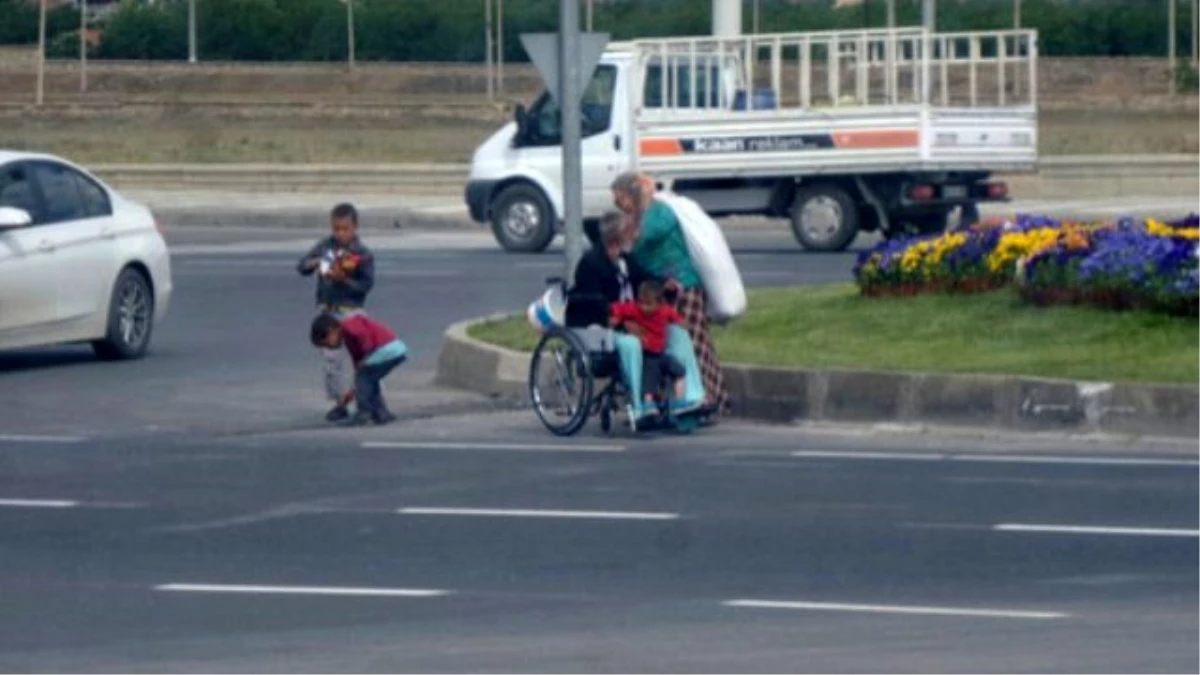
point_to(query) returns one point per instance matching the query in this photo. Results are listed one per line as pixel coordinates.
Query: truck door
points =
(603, 150)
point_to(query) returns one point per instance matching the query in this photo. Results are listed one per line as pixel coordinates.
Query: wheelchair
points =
(575, 374)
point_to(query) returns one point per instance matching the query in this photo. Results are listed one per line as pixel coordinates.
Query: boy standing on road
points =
(345, 271)
(376, 351)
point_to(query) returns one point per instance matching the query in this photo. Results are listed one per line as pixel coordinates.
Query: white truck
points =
(839, 131)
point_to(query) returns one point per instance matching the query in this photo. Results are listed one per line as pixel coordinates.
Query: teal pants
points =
(679, 345)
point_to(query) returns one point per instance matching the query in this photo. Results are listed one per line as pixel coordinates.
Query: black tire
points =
(560, 361)
(130, 318)
(522, 220)
(824, 218)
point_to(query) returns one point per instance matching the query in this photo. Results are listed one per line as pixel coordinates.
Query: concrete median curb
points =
(786, 396)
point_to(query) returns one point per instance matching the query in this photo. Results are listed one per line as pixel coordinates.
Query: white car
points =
(78, 262)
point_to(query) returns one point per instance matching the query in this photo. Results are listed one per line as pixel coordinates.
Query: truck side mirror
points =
(521, 117)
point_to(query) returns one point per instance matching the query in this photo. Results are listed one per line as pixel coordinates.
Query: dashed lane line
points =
(38, 438)
(302, 590)
(1096, 529)
(515, 447)
(893, 609)
(535, 513)
(991, 458)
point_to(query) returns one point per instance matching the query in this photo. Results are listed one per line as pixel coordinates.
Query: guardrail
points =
(1057, 177)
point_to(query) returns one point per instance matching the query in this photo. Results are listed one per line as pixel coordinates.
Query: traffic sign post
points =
(566, 62)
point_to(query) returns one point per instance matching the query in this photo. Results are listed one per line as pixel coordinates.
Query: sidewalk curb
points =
(370, 218)
(787, 396)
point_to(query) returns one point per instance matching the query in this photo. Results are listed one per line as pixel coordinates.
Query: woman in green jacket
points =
(656, 241)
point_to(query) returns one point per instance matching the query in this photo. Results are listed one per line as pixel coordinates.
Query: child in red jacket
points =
(375, 350)
(647, 320)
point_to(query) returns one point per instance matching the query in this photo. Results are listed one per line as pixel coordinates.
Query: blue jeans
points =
(367, 393)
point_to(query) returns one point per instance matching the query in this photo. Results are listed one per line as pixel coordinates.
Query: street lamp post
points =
(754, 18)
(590, 10)
(891, 13)
(192, 31)
(1017, 14)
(350, 34)
(41, 59)
(929, 14)
(488, 49)
(83, 12)
(1171, 20)
(500, 47)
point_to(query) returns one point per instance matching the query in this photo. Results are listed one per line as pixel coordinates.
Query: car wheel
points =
(824, 218)
(522, 220)
(130, 318)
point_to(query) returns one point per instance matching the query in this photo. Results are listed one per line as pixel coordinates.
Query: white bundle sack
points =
(712, 258)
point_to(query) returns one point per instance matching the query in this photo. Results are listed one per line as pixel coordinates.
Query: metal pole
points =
(754, 19)
(500, 46)
(489, 49)
(572, 171)
(591, 7)
(41, 62)
(929, 15)
(83, 11)
(192, 31)
(350, 34)
(891, 13)
(1195, 33)
(1171, 43)
(1017, 14)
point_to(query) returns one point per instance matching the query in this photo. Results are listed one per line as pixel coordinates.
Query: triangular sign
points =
(543, 51)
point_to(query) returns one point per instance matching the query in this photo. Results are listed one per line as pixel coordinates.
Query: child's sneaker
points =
(339, 413)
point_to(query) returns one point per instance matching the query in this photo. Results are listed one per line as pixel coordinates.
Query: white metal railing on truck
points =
(836, 69)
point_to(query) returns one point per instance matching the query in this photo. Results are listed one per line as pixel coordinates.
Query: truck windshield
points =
(595, 107)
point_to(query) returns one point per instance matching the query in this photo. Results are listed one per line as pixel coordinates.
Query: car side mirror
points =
(12, 218)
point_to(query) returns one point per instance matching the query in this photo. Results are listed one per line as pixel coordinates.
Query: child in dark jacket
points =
(375, 350)
(345, 272)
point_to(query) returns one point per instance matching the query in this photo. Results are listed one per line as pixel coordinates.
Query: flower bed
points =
(1126, 264)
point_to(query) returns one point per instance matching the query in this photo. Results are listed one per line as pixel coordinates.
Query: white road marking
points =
(1096, 461)
(1088, 529)
(302, 590)
(35, 438)
(535, 513)
(834, 454)
(1002, 459)
(39, 503)
(521, 447)
(893, 609)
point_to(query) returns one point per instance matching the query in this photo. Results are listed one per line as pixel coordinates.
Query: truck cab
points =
(837, 131)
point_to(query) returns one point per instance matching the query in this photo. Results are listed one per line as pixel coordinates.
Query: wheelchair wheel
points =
(560, 383)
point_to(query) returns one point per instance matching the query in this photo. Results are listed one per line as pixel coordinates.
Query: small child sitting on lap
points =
(647, 320)
(375, 350)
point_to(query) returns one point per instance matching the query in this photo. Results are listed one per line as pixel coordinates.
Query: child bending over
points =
(375, 351)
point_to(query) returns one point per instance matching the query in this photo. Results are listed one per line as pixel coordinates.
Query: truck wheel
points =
(824, 218)
(522, 220)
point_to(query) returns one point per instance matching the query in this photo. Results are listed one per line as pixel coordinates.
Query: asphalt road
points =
(476, 544)
(189, 512)
(234, 354)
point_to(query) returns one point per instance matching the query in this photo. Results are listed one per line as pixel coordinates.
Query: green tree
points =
(140, 31)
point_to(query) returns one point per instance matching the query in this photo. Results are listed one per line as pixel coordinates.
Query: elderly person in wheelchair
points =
(569, 360)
